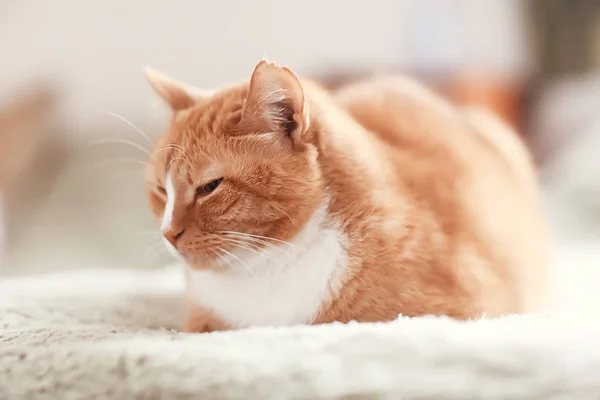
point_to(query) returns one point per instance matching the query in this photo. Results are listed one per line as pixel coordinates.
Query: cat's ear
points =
(178, 95)
(276, 101)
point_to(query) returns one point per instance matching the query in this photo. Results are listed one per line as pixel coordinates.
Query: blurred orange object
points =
(501, 97)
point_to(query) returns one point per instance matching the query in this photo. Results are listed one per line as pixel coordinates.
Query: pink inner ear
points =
(285, 117)
(276, 95)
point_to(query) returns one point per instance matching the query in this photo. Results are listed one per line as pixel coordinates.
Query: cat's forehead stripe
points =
(170, 205)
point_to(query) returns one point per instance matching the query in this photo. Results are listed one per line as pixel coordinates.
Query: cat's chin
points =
(201, 267)
(198, 263)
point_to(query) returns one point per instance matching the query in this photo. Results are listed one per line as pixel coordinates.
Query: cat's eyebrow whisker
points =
(171, 147)
(178, 158)
(120, 141)
(185, 157)
(131, 124)
(175, 146)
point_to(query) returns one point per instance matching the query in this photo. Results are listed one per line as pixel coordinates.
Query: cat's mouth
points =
(220, 253)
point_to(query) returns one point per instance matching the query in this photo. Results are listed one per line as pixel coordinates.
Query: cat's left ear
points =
(276, 101)
(178, 95)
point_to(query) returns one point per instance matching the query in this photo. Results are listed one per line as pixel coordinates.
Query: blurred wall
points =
(97, 48)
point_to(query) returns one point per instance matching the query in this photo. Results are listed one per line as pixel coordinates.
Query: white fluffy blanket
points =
(110, 334)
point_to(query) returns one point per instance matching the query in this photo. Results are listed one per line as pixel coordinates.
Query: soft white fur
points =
(169, 205)
(99, 334)
(167, 218)
(280, 285)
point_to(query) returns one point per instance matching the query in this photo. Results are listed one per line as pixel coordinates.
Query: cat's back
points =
(469, 173)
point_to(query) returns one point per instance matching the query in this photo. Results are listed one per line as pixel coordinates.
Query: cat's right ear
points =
(178, 95)
(276, 103)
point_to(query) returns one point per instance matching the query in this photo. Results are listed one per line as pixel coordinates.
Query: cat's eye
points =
(209, 187)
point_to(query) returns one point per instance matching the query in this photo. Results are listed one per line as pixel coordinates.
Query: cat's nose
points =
(172, 235)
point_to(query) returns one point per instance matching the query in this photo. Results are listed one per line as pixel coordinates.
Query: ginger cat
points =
(291, 205)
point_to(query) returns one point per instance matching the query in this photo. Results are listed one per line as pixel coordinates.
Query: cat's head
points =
(236, 166)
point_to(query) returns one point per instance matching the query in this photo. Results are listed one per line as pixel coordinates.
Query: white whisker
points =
(263, 242)
(175, 146)
(120, 141)
(239, 242)
(178, 158)
(150, 250)
(248, 246)
(131, 124)
(239, 259)
(271, 246)
(221, 258)
(260, 237)
(171, 147)
(264, 238)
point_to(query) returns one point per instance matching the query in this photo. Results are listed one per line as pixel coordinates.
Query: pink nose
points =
(172, 235)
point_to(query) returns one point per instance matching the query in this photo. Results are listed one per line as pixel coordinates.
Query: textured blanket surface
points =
(112, 334)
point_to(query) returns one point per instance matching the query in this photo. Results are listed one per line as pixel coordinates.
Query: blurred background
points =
(73, 98)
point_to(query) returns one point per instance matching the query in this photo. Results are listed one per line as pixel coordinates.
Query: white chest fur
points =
(280, 286)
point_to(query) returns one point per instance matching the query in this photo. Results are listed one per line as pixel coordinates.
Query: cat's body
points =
(389, 201)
